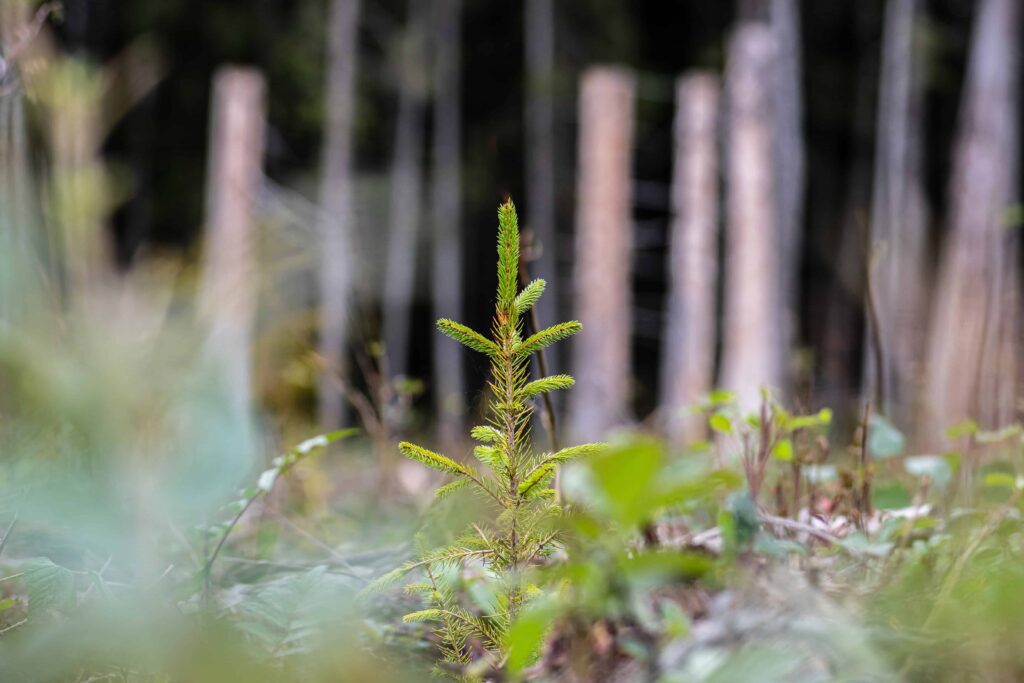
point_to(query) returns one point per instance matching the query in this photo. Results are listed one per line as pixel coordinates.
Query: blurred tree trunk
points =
(336, 195)
(973, 337)
(752, 353)
(689, 357)
(15, 174)
(898, 221)
(540, 150)
(789, 162)
(601, 352)
(446, 214)
(228, 295)
(406, 189)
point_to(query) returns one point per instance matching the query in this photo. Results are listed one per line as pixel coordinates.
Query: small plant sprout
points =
(514, 479)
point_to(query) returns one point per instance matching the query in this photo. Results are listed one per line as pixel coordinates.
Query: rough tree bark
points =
(446, 214)
(688, 363)
(974, 321)
(406, 189)
(753, 334)
(601, 352)
(228, 294)
(336, 197)
(898, 221)
(540, 149)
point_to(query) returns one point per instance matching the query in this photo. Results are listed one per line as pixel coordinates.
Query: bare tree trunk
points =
(336, 196)
(789, 159)
(601, 352)
(406, 190)
(688, 364)
(898, 225)
(540, 148)
(228, 295)
(752, 354)
(15, 199)
(446, 204)
(973, 333)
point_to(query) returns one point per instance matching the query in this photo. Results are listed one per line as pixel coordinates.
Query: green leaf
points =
(934, 467)
(431, 459)
(526, 634)
(547, 337)
(1003, 479)
(469, 337)
(890, 496)
(820, 419)
(720, 397)
(529, 296)
(818, 474)
(884, 440)
(961, 429)
(546, 384)
(783, 450)
(720, 423)
(996, 436)
(50, 587)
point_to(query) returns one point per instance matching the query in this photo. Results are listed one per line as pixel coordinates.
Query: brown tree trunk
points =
(897, 267)
(753, 333)
(601, 352)
(406, 190)
(228, 295)
(446, 215)
(973, 333)
(540, 150)
(689, 357)
(336, 196)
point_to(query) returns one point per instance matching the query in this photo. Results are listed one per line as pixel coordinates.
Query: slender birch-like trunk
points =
(406, 190)
(446, 213)
(973, 340)
(336, 196)
(601, 352)
(688, 363)
(898, 221)
(753, 334)
(540, 149)
(228, 294)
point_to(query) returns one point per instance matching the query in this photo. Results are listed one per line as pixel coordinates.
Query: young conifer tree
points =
(516, 480)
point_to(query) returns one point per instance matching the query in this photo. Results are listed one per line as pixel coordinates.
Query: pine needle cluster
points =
(513, 478)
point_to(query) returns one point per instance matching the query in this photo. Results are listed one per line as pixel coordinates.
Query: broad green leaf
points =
(1003, 479)
(721, 397)
(527, 633)
(884, 440)
(50, 587)
(783, 450)
(890, 496)
(934, 467)
(961, 429)
(720, 423)
(996, 436)
(818, 474)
